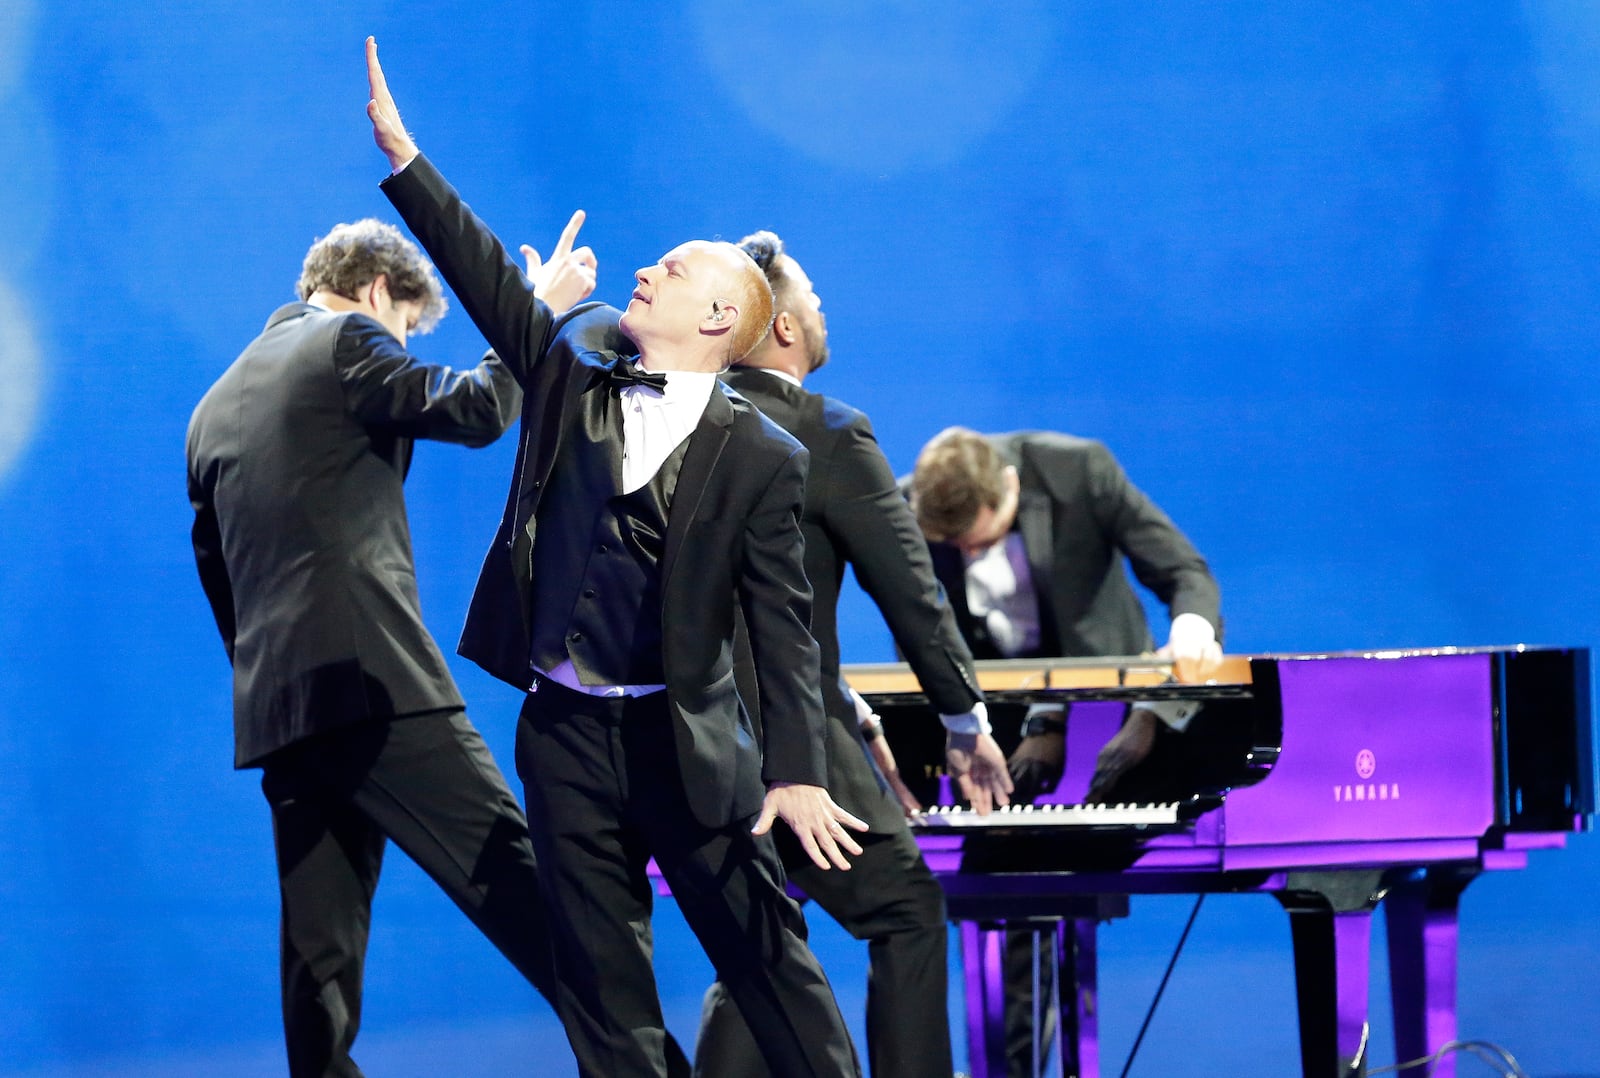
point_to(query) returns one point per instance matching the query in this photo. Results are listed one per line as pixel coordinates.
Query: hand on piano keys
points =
(979, 768)
(1032, 817)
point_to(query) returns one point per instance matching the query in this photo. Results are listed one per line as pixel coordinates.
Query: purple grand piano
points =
(1333, 782)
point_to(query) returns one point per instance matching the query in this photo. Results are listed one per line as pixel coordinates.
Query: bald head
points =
(753, 297)
(703, 306)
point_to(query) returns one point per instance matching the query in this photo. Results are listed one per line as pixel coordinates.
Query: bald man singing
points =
(648, 507)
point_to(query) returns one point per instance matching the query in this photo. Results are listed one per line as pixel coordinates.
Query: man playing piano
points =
(1028, 532)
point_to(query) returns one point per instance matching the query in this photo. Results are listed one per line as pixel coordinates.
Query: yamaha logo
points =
(1366, 767)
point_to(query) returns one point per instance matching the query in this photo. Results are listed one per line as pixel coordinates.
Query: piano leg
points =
(1330, 918)
(1079, 994)
(1421, 918)
(982, 959)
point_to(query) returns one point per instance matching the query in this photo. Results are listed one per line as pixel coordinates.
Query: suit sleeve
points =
(206, 536)
(497, 295)
(386, 386)
(1161, 555)
(870, 522)
(776, 598)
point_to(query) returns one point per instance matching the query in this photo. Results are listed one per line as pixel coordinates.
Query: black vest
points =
(596, 584)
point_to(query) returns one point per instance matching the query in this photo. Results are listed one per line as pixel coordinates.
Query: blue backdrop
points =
(1326, 277)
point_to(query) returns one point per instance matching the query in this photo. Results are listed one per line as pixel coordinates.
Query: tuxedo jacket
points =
(1080, 517)
(296, 459)
(733, 533)
(854, 514)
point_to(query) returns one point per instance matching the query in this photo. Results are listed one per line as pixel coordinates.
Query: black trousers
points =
(429, 783)
(604, 795)
(890, 899)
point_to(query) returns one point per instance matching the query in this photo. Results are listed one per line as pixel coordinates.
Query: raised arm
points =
(508, 308)
(388, 131)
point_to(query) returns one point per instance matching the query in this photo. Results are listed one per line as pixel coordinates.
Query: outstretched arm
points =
(777, 607)
(502, 302)
(1164, 560)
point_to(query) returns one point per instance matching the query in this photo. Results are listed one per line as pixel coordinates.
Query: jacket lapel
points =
(705, 449)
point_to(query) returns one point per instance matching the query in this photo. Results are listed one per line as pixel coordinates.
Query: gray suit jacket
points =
(1080, 516)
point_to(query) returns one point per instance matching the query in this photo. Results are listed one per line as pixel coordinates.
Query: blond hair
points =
(958, 474)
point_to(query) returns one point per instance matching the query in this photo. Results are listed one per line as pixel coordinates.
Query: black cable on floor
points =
(1165, 977)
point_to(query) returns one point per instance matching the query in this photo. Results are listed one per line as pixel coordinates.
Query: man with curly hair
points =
(296, 459)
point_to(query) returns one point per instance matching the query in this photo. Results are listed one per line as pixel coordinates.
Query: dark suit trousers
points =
(889, 898)
(604, 795)
(429, 783)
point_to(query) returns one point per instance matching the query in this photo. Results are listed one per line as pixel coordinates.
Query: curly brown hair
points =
(352, 256)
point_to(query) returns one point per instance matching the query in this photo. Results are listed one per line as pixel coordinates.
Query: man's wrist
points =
(1044, 719)
(401, 159)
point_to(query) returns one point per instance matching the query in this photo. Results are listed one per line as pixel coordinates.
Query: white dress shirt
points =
(1000, 594)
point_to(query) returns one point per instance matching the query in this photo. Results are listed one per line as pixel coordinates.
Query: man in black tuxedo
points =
(296, 459)
(1028, 533)
(647, 505)
(854, 514)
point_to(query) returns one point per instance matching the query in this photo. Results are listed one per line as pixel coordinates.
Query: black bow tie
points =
(622, 373)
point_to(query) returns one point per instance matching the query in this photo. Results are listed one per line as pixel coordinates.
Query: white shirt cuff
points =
(1190, 633)
(975, 721)
(1175, 713)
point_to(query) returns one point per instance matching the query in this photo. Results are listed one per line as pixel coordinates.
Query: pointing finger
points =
(568, 234)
